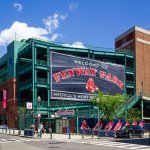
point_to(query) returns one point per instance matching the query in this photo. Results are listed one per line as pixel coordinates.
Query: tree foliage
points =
(132, 114)
(22, 113)
(22, 110)
(108, 104)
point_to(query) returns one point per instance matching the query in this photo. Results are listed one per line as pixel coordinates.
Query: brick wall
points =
(142, 62)
(142, 54)
(10, 111)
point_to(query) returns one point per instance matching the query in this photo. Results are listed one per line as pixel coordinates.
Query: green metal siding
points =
(12, 51)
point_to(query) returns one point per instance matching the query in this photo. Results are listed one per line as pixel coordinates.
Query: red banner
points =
(4, 99)
(84, 125)
(134, 123)
(141, 123)
(118, 126)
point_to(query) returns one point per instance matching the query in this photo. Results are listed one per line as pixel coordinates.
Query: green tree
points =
(132, 114)
(109, 104)
(22, 112)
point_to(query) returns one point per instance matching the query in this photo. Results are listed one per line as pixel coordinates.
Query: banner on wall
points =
(76, 78)
(4, 99)
(65, 112)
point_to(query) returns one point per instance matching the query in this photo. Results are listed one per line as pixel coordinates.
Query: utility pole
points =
(142, 84)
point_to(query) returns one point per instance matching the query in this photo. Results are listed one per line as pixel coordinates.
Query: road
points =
(8, 142)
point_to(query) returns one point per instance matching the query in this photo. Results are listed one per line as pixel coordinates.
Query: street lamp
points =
(142, 84)
(39, 102)
(95, 107)
(39, 114)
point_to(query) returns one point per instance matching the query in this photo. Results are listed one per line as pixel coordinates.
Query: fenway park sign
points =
(76, 78)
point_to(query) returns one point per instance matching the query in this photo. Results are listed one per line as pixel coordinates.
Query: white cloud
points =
(21, 31)
(76, 44)
(63, 17)
(52, 22)
(73, 6)
(18, 6)
(55, 36)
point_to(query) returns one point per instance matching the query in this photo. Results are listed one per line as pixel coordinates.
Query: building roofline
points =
(134, 28)
(125, 33)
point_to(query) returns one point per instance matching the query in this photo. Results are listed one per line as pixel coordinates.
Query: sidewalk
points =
(73, 137)
(65, 137)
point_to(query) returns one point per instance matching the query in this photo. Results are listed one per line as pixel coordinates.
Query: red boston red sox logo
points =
(90, 85)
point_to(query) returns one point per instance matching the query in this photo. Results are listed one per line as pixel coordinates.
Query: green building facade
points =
(29, 62)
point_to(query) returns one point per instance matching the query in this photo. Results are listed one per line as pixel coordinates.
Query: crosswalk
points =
(116, 144)
(3, 141)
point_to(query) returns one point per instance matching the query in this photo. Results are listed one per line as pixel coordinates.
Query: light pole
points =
(142, 84)
(39, 113)
(39, 102)
(95, 107)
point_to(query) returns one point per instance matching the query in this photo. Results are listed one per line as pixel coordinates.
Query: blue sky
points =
(85, 22)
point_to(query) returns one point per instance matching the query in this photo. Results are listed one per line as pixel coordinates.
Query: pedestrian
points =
(40, 127)
(32, 126)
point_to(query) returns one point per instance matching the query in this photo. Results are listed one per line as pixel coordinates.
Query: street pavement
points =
(61, 141)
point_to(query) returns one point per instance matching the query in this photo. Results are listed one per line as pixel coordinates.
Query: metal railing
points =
(130, 83)
(42, 80)
(130, 69)
(93, 48)
(41, 62)
(26, 82)
(62, 103)
(127, 105)
(25, 66)
(43, 103)
(124, 51)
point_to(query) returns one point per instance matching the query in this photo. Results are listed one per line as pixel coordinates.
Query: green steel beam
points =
(129, 86)
(70, 107)
(69, 49)
(131, 73)
(48, 81)
(26, 60)
(41, 45)
(41, 67)
(130, 56)
(41, 85)
(33, 76)
(146, 118)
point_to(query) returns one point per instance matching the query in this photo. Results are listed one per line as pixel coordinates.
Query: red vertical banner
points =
(4, 99)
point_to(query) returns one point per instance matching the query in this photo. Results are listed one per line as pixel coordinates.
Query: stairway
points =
(129, 104)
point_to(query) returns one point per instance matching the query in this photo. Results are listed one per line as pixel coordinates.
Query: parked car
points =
(130, 131)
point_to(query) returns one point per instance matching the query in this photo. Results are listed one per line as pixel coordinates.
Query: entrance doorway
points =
(64, 125)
